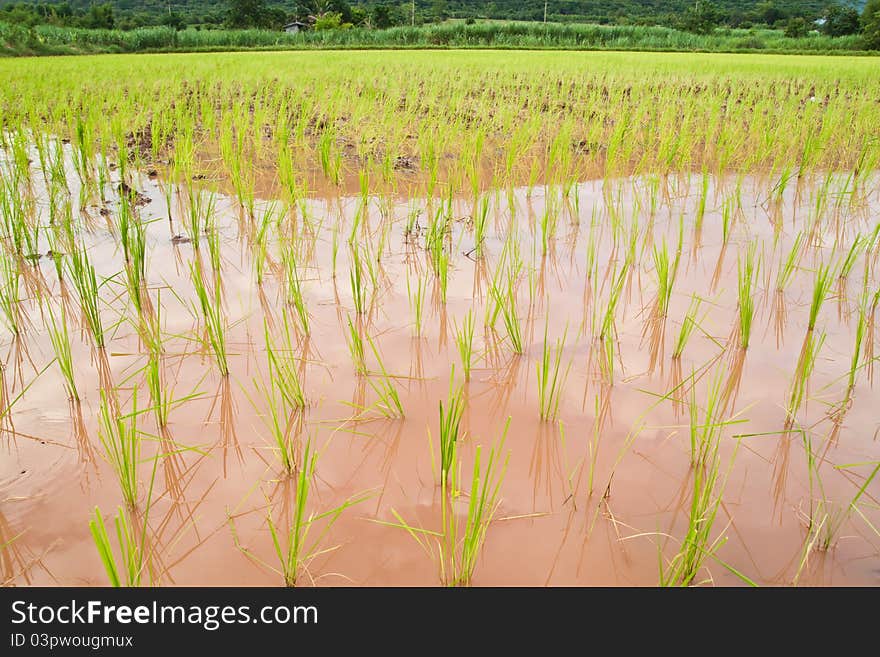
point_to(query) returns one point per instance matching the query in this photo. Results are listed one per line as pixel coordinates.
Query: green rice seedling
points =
(697, 546)
(282, 420)
(505, 302)
(212, 313)
(389, 400)
(358, 284)
(9, 295)
(857, 347)
(666, 273)
(483, 502)
(282, 366)
(85, 282)
(464, 340)
(356, 348)
(821, 287)
(746, 278)
(450, 427)
(121, 440)
(550, 381)
(457, 549)
(849, 260)
(786, 268)
(803, 371)
(295, 294)
(416, 295)
(60, 339)
(292, 546)
(135, 553)
(481, 220)
(828, 518)
(687, 327)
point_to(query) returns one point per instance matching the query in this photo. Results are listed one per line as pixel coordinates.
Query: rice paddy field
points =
(439, 318)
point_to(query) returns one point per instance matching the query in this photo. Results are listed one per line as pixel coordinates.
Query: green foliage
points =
(871, 24)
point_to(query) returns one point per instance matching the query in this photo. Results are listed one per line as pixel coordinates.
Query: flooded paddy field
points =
(241, 347)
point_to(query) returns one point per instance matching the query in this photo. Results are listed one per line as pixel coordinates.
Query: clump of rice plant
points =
(121, 439)
(746, 278)
(212, 313)
(550, 380)
(450, 427)
(60, 339)
(86, 284)
(454, 548)
(687, 327)
(464, 340)
(296, 546)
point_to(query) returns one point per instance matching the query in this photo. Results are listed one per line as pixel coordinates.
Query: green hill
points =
(132, 13)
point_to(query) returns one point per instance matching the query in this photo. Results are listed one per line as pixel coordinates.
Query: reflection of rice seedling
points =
(550, 381)
(464, 339)
(292, 546)
(61, 345)
(803, 371)
(212, 313)
(121, 439)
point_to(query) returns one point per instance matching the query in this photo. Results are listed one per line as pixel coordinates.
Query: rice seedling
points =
(456, 549)
(212, 314)
(464, 340)
(355, 341)
(687, 327)
(389, 400)
(550, 381)
(505, 302)
(296, 546)
(746, 278)
(85, 282)
(60, 339)
(450, 427)
(136, 554)
(121, 440)
(821, 287)
(416, 295)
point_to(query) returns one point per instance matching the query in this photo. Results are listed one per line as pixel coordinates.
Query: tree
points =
(797, 28)
(382, 18)
(702, 17)
(100, 17)
(173, 19)
(769, 13)
(871, 24)
(247, 13)
(840, 21)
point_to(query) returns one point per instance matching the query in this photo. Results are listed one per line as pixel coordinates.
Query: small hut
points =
(295, 27)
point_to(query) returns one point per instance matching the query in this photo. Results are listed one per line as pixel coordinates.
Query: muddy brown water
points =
(550, 529)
